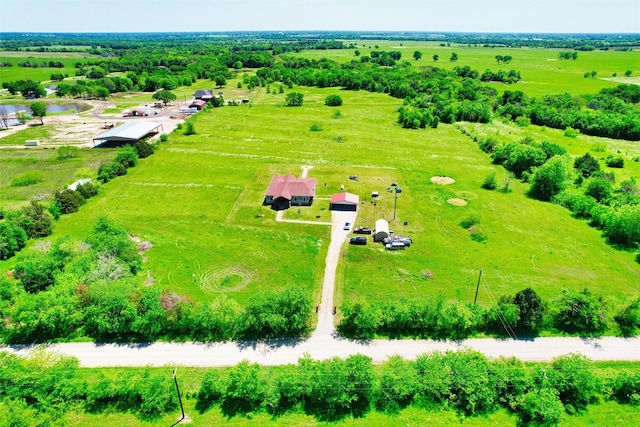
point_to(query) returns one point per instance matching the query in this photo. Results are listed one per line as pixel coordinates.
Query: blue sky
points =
(544, 16)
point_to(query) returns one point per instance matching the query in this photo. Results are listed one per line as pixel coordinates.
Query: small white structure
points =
(74, 186)
(381, 231)
(32, 142)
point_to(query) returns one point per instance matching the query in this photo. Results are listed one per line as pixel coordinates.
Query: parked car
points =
(358, 240)
(347, 226)
(395, 246)
(362, 230)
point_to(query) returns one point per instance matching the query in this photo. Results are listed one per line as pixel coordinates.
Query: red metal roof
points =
(288, 186)
(345, 199)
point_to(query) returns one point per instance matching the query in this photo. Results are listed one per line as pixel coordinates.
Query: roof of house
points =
(198, 102)
(202, 92)
(288, 186)
(128, 132)
(345, 199)
(74, 186)
(382, 226)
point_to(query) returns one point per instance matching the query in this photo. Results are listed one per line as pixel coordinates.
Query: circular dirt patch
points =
(457, 202)
(442, 180)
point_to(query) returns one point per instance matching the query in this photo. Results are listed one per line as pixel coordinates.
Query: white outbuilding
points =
(381, 231)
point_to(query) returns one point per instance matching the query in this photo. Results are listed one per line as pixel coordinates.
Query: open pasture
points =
(542, 72)
(39, 74)
(198, 200)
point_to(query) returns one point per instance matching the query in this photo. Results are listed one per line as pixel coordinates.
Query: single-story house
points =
(287, 190)
(344, 202)
(199, 104)
(381, 231)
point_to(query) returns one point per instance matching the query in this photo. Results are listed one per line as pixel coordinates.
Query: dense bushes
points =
(524, 313)
(12, 239)
(45, 386)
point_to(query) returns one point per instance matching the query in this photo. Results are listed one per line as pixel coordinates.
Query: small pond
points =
(51, 108)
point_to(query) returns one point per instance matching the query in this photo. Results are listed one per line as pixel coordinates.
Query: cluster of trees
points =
(465, 381)
(509, 77)
(31, 222)
(45, 386)
(523, 313)
(34, 64)
(611, 113)
(71, 288)
(28, 88)
(595, 197)
(568, 55)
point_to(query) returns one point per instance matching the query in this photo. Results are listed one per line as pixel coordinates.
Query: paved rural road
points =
(323, 347)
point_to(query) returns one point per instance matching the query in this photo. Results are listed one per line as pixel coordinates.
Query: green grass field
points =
(542, 72)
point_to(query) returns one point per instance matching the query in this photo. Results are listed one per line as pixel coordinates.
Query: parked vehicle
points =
(347, 226)
(395, 246)
(358, 240)
(362, 230)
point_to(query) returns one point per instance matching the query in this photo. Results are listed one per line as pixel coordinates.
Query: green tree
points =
(278, 314)
(102, 92)
(587, 165)
(294, 99)
(499, 58)
(37, 271)
(108, 238)
(39, 109)
(144, 148)
(238, 65)
(575, 381)
(629, 318)
(127, 156)
(333, 100)
(549, 179)
(454, 57)
(12, 239)
(627, 73)
(110, 311)
(69, 201)
(435, 57)
(220, 80)
(166, 96)
(417, 55)
(580, 312)
(470, 390)
(245, 389)
(398, 385)
(600, 189)
(35, 220)
(152, 319)
(531, 309)
(212, 388)
(190, 129)
(540, 408)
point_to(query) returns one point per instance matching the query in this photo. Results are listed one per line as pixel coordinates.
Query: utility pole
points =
(395, 202)
(175, 378)
(477, 288)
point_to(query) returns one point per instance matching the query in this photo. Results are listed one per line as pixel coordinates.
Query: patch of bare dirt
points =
(457, 202)
(442, 180)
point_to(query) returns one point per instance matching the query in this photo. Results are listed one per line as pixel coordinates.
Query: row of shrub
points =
(45, 386)
(525, 313)
(465, 381)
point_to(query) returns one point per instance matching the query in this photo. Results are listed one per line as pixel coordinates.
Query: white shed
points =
(381, 231)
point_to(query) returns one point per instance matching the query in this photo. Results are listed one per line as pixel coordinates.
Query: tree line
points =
(580, 184)
(46, 386)
(524, 314)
